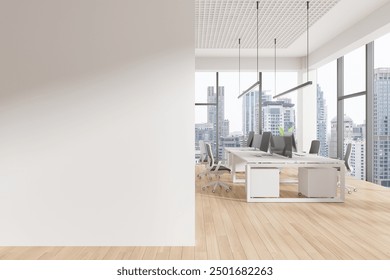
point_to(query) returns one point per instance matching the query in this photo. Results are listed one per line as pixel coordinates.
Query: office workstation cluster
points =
(258, 166)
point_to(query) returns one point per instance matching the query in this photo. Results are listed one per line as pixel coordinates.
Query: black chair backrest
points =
(256, 141)
(287, 151)
(249, 141)
(265, 139)
(210, 156)
(315, 147)
(293, 142)
(347, 157)
(277, 144)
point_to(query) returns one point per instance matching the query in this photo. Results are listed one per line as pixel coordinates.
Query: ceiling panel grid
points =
(220, 23)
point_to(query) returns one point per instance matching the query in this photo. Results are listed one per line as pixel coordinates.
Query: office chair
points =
(203, 152)
(249, 141)
(315, 147)
(203, 157)
(265, 140)
(217, 170)
(348, 167)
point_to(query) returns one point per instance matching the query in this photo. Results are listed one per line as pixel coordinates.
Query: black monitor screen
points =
(282, 145)
(266, 136)
(277, 144)
(288, 146)
(256, 141)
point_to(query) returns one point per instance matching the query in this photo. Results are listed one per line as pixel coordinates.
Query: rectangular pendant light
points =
(249, 89)
(293, 89)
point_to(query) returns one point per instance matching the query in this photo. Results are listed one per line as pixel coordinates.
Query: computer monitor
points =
(277, 144)
(265, 140)
(288, 146)
(249, 141)
(294, 145)
(281, 145)
(256, 141)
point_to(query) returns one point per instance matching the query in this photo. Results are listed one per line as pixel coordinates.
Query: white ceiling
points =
(220, 23)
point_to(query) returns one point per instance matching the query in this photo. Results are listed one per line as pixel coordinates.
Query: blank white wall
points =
(96, 122)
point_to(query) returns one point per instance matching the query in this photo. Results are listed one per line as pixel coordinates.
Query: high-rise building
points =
(250, 112)
(229, 141)
(381, 126)
(322, 121)
(223, 125)
(203, 131)
(354, 134)
(275, 114)
(348, 132)
(357, 158)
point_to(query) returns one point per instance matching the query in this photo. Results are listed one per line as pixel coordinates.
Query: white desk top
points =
(258, 157)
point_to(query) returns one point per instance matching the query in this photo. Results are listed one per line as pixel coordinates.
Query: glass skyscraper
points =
(381, 126)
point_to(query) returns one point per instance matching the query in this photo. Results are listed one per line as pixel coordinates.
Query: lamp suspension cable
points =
(307, 41)
(257, 38)
(275, 65)
(307, 83)
(257, 54)
(239, 64)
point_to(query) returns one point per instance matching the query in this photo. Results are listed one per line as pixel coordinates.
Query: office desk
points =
(249, 160)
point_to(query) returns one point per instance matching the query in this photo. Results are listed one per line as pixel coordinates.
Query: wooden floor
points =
(229, 228)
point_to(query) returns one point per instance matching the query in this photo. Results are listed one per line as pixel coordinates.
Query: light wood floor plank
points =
(163, 253)
(188, 253)
(150, 253)
(249, 222)
(290, 244)
(176, 253)
(138, 253)
(243, 236)
(200, 236)
(211, 238)
(300, 245)
(238, 252)
(225, 252)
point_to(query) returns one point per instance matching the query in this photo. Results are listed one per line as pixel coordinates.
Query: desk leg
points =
(342, 182)
(247, 183)
(234, 162)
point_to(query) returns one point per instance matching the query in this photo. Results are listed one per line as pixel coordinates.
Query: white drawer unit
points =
(263, 182)
(317, 182)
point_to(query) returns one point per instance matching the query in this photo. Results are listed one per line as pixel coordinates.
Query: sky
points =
(354, 81)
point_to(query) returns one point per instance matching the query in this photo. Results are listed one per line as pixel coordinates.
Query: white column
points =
(307, 111)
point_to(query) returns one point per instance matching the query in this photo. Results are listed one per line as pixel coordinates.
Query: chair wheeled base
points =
(215, 184)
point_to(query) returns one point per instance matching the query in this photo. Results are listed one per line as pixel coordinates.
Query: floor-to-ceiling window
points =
(355, 134)
(327, 109)
(240, 115)
(205, 110)
(381, 112)
(354, 108)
